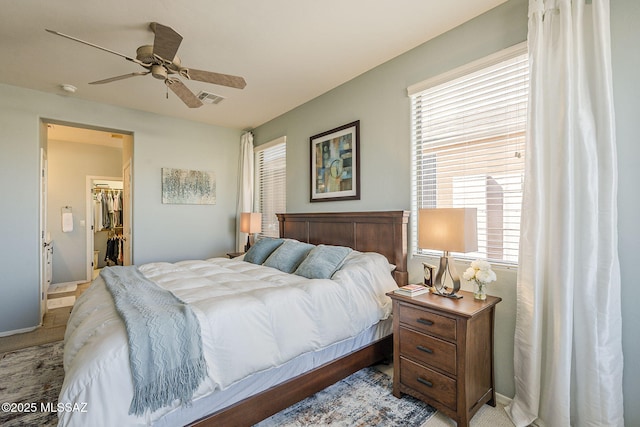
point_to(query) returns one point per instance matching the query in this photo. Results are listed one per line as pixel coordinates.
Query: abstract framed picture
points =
(335, 164)
(188, 187)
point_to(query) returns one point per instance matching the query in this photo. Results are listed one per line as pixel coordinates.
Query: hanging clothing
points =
(107, 209)
(110, 208)
(120, 222)
(120, 251)
(114, 252)
(117, 208)
(106, 223)
(97, 212)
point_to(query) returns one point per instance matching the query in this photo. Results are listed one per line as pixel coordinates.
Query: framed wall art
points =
(335, 164)
(188, 187)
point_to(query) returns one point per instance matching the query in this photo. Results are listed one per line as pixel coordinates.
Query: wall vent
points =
(209, 98)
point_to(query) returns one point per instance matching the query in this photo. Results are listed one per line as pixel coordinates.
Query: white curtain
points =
(245, 186)
(568, 350)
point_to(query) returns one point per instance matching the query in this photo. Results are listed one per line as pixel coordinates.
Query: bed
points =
(247, 394)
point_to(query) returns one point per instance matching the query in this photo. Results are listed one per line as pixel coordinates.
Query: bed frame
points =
(384, 232)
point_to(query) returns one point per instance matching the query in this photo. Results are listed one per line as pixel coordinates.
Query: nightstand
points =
(443, 352)
(232, 255)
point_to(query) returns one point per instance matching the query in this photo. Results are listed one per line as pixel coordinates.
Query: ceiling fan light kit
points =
(144, 54)
(161, 62)
(159, 72)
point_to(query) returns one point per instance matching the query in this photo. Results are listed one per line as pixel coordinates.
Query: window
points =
(468, 138)
(270, 182)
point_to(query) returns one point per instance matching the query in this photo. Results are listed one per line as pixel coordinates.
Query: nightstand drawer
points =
(428, 322)
(429, 350)
(430, 383)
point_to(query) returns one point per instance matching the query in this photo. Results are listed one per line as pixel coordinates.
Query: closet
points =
(108, 240)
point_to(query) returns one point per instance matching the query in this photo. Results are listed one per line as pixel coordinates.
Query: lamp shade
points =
(448, 229)
(250, 222)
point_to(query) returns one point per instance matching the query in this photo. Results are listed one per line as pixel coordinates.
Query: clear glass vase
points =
(480, 291)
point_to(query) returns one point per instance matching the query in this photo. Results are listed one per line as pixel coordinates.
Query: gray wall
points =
(69, 165)
(625, 34)
(160, 232)
(378, 99)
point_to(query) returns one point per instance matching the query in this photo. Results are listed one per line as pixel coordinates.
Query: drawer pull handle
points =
(425, 382)
(425, 321)
(425, 349)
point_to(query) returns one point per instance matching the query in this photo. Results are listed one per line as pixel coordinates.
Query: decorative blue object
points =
(288, 256)
(261, 250)
(322, 262)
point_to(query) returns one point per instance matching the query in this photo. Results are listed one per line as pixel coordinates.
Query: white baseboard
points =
(18, 331)
(502, 399)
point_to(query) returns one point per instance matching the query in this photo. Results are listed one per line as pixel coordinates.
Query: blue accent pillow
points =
(261, 250)
(288, 256)
(323, 261)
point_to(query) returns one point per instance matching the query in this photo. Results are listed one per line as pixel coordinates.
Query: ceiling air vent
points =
(209, 98)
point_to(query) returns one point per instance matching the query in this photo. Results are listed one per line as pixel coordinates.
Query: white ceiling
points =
(56, 132)
(288, 51)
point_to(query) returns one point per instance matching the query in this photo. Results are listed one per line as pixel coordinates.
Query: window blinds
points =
(271, 172)
(468, 136)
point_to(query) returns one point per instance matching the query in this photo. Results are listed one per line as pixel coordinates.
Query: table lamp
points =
(250, 223)
(448, 230)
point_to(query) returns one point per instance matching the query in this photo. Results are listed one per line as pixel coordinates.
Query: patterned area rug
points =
(34, 375)
(31, 379)
(362, 399)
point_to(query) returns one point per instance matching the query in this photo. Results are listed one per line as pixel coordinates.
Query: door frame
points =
(89, 218)
(127, 202)
(42, 233)
(45, 122)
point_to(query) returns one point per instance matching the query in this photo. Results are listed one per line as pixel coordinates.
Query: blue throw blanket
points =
(165, 345)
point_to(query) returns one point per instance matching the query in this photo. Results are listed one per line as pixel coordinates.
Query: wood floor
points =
(52, 329)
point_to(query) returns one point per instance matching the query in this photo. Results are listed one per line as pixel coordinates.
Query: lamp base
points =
(453, 296)
(447, 273)
(248, 245)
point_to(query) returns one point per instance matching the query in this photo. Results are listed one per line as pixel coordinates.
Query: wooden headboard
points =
(384, 232)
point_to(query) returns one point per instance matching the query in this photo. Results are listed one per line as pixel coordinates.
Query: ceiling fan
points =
(161, 62)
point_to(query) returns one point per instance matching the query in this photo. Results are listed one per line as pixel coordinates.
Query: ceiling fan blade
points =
(125, 76)
(166, 42)
(128, 58)
(215, 78)
(183, 93)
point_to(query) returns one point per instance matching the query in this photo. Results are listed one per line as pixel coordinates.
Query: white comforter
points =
(252, 318)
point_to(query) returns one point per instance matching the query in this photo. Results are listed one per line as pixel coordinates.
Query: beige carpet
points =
(487, 416)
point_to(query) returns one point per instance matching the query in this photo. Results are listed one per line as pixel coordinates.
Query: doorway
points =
(106, 233)
(76, 154)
